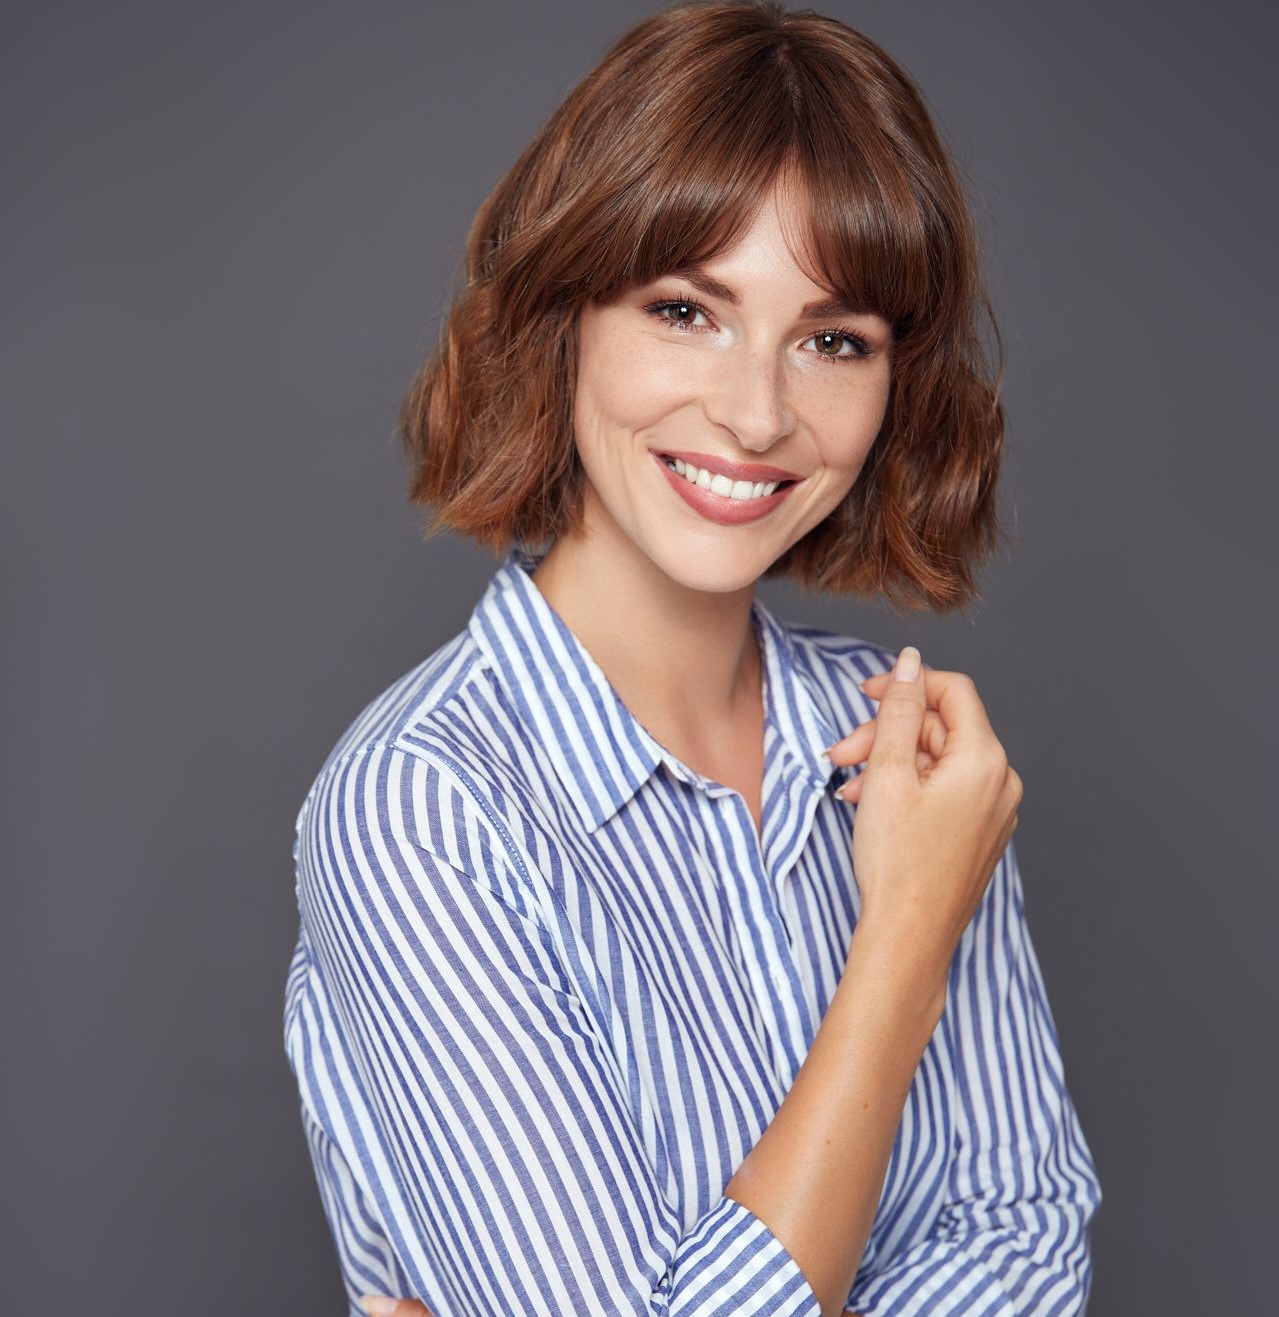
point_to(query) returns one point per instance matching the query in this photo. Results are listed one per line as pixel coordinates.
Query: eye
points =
(860, 347)
(686, 308)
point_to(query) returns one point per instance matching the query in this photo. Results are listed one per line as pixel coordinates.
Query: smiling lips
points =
(725, 491)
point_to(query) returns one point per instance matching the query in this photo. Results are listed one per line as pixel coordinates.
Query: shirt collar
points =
(601, 752)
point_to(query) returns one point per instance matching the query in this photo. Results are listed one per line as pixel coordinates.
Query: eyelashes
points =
(861, 348)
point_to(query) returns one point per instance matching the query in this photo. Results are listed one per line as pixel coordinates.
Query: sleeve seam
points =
(454, 770)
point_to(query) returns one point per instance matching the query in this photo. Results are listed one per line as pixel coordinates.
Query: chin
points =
(713, 564)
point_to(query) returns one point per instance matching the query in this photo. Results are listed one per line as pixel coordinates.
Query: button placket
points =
(776, 978)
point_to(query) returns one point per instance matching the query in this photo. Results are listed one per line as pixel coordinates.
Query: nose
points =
(750, 397)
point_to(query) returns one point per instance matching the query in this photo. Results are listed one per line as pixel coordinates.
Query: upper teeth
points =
(719, 484)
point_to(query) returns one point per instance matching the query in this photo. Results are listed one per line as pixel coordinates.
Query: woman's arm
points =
(816, 1174)
(937, 807)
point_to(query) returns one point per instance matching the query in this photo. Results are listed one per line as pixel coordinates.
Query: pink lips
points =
(719, 507)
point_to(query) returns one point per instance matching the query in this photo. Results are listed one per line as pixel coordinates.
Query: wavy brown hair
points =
(659, 158)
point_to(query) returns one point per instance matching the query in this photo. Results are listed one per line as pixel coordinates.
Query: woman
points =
(601, 1003)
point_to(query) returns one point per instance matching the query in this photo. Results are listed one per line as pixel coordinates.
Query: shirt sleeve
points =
(441, 1045)
(1012, 1237)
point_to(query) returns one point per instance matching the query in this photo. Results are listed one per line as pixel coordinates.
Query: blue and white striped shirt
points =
(551, 986)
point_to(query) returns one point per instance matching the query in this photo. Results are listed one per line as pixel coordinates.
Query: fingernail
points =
(907, 668)
(379, 1305)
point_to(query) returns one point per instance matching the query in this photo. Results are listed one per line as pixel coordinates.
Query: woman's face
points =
(745, 382)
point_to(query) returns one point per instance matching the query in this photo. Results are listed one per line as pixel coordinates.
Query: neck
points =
(684, 661)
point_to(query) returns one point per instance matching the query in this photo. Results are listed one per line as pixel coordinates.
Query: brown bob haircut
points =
(659, 158)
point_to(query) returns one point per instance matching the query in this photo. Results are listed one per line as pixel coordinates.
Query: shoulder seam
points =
(537, 893)
(342, 760)
(454, 770)
(476, 665)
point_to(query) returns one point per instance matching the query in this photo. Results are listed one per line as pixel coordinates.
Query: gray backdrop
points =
(228, 233)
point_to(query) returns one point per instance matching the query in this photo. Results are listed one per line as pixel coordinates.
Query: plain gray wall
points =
(228, 232)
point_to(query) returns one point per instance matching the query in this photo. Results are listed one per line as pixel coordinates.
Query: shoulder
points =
(423, 734)
(424, 757)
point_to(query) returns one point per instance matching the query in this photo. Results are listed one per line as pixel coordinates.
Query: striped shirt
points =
(551, 985)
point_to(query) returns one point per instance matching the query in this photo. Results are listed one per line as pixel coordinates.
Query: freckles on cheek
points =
(846, 432)
(641, 383)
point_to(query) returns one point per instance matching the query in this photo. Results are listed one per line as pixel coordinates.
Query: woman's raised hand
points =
(936, 807)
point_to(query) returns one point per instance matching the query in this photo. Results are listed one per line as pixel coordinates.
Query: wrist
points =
(895, 962)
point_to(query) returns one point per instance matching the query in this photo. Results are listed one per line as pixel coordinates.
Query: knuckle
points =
(988, 764)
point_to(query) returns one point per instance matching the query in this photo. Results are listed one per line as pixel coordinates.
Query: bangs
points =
(682, 178)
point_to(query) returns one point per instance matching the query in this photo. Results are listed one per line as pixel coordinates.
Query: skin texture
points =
(661, 596)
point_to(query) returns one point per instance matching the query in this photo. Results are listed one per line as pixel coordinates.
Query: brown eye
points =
(686, 310)
(835, 338)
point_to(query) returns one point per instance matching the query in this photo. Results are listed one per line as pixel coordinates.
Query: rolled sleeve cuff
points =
(732, 1262)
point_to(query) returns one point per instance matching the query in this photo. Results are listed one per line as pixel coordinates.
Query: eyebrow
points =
(705, 283)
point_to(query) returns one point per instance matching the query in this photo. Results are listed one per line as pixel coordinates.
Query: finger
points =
(854, 747)
(901, 716)
(954, 696)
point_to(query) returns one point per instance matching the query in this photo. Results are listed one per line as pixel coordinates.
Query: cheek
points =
(629, 383)
(846, 432)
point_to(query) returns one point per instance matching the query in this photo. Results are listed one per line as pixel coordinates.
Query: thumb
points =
(900, 718)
